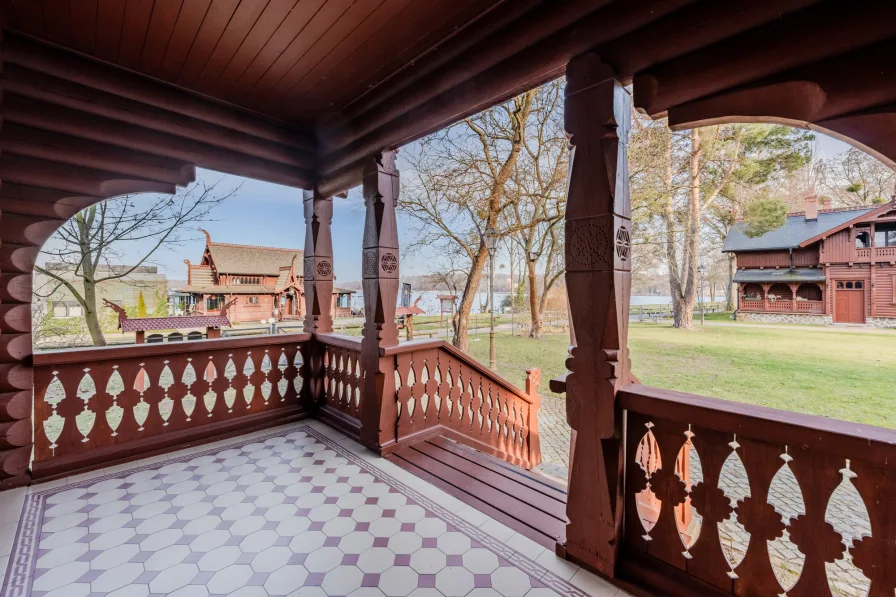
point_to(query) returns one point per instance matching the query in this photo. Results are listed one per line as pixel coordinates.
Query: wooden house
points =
(821, 266)
(265, 281)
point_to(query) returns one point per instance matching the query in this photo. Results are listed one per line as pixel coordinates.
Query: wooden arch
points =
(75, 133)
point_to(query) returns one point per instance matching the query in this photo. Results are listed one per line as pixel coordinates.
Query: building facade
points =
(124, 291)
(822, 266)
(265, 281)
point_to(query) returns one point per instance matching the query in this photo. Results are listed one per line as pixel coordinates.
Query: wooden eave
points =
(301, 93)
(866, 217)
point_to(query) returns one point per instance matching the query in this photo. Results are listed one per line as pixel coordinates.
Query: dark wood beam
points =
(532, 66)
(799, 38)
(68, 65)
(462, 58)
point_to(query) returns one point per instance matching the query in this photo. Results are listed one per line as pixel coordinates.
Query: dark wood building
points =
(822, 266)
(264, 281)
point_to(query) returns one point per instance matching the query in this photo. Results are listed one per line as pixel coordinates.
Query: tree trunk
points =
(91, 314)
(462, 316)
(692, 237)
(535, 327)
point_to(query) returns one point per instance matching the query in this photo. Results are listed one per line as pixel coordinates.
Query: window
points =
(60, 310)
(849, 285)
(839, 285)
(253, 300)
(885, 235)
(858, 285)
(863, 239)
(214, 303)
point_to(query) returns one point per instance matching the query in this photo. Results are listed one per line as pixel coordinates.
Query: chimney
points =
(811, 207)
(825, 204)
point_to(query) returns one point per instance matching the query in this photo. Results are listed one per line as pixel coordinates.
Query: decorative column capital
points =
(318, 263)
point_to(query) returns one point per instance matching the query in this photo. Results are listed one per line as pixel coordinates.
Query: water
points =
(430, 304)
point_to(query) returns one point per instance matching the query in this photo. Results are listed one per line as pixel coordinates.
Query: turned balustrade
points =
(99, 405)
(817, 455)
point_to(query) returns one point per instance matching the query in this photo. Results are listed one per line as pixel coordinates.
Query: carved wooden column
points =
(318, 283)
(765, 289)
(598, 279)
(793, 288)
(379, 270)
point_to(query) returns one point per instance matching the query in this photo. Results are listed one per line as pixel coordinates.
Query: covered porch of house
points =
(798, 290)
(155, 452)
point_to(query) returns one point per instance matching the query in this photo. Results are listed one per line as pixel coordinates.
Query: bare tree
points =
(90, 246)
(459, 189)
(539, 187)
(855, 178)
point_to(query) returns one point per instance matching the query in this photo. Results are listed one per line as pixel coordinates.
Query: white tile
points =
(287, 579)
(398, 581)
(166, 558)
(525, 546)
(497, 530)
(473, 516)
(454, 581)
(229, 579)
(7, 536)
(116, 578)
(510, 581)
(427, 560)
(562, 568)
(78, 589)
(219, 558)
(271, 559)
(132, 591)
(323, 559)
(173, 578)
(593, 584)
(480, 561)
(11, 502)
(342, 580)
(60, 576)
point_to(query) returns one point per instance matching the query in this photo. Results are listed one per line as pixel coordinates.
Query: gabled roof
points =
(796, 231)
(251, 260)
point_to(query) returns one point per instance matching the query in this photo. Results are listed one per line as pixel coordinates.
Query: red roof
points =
(415, 310)
(174, 323)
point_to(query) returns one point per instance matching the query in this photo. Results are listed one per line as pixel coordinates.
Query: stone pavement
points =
(846, 512)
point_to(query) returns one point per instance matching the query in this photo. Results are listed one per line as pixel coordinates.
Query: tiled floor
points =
(299, 511)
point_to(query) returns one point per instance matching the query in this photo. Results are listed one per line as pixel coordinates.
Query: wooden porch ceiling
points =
(357, 76)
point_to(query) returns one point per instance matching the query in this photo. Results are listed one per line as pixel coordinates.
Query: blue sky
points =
(266, 214)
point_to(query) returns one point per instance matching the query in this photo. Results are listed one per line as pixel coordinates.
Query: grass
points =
(842, 375)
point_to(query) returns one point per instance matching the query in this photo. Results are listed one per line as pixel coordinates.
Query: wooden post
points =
(318, 274)
(598, 280)
(793, 288)
(140, 337)
(379, 270)
(765, 288)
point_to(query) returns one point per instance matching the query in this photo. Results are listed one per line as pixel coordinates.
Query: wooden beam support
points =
(598, 280)
(799, 38)
(380, 273)
(532, 66)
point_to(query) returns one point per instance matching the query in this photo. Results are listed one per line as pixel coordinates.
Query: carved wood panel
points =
(435, 388)
(125, 403)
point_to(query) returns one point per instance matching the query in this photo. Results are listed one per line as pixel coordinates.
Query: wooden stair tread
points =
(534, 507)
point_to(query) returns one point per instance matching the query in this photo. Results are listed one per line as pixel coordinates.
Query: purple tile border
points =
(20, 570)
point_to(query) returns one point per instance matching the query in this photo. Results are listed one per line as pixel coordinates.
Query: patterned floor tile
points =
(288, 514)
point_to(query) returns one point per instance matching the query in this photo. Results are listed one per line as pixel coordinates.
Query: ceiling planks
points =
(207, 38)
(56, 22)
(109, 18)
(82, 19)
(189, 20)
(241, 24)
(158, 35)
(133, 31)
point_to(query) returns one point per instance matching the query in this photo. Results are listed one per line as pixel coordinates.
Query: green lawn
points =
(842, 375)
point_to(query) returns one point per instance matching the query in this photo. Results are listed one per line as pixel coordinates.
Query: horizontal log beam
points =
(444, 72)
(533, 66)
(800, 38)
(74, 68)
(70, 122)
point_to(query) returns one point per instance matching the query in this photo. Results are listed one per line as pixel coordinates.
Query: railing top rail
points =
(105, 353)
(460, 355)
(875, 445)
(340, 340)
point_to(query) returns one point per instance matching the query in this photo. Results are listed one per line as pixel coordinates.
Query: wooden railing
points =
(810, 306)
(885, 253)
(863, 254)
(341, 383)
(780, 305)
(96, 406)
(752, 305)
(439, 389)
(806, 459)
